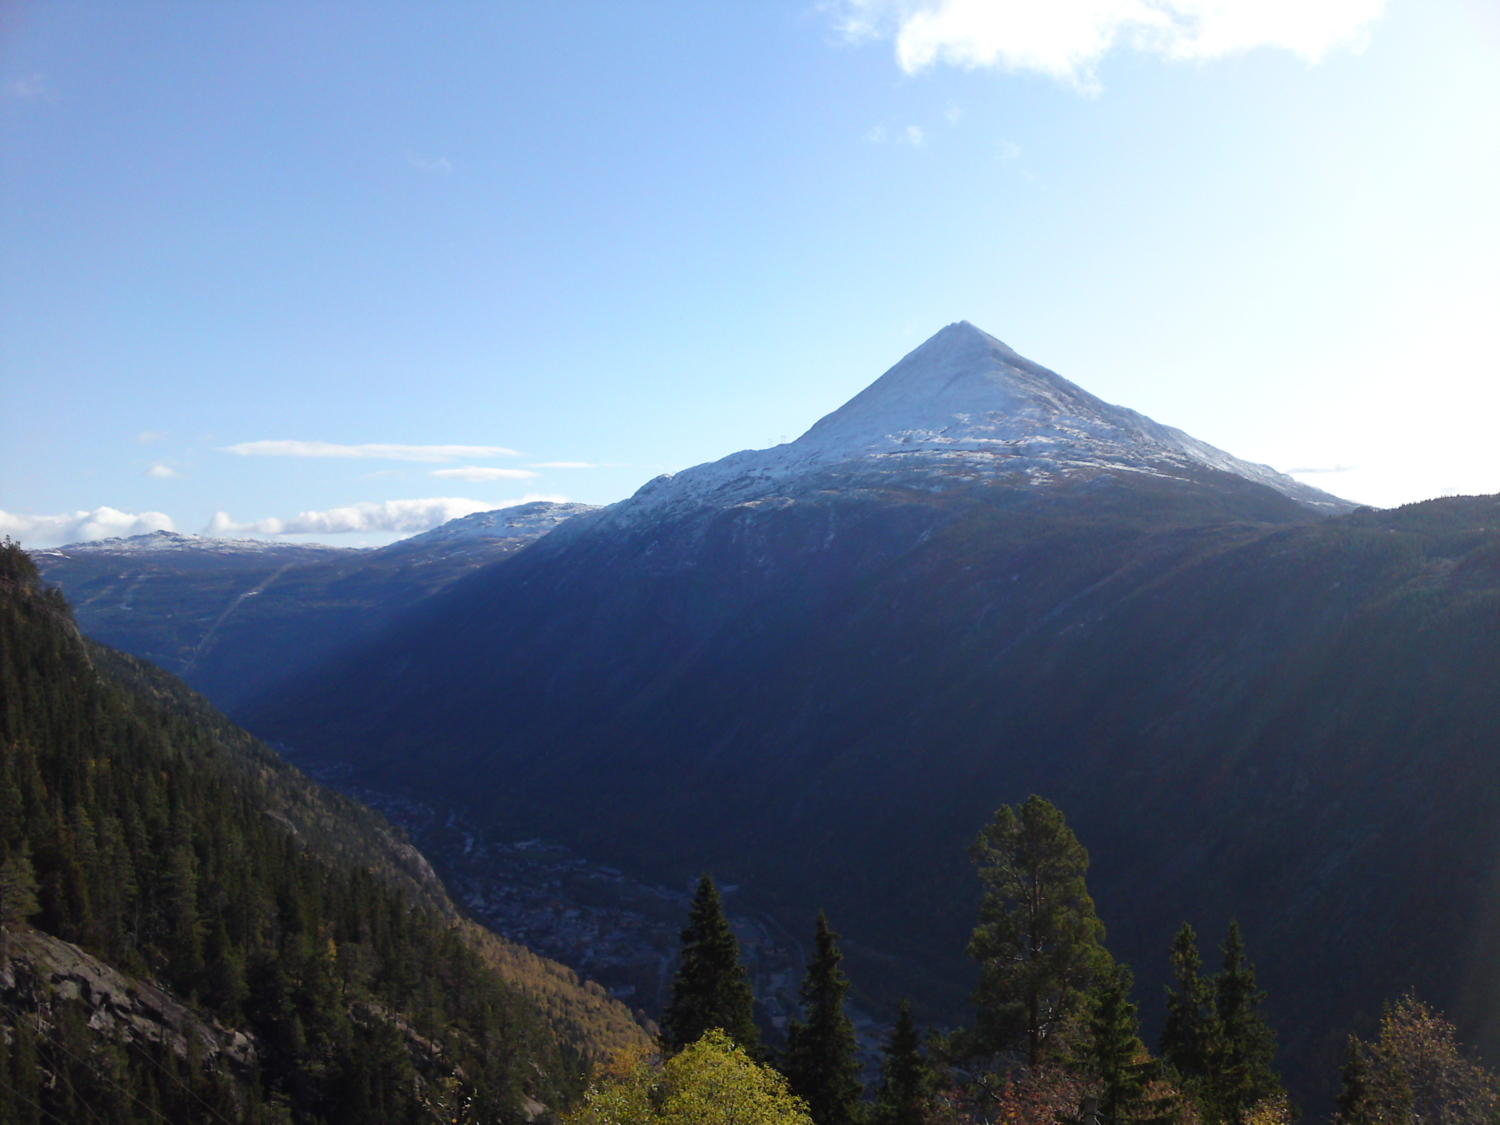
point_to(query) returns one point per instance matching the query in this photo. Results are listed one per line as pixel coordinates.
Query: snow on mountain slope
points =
(962, 406)
(523, 521)
(170, 542)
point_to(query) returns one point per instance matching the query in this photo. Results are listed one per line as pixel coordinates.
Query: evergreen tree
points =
(1356, 1100)
(1190, 1032)
(1215, 1037)
(1039, 943)
(904, 1096)
(1242, 1073)
(1117, 1056)
(820, 1059)
(710, 989)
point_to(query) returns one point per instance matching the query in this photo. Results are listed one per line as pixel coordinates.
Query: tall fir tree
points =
(711, 988)
(1243, 1073)
(1118, 1058)
(1356, 1100)
(907, 1082)
(1190, 1031)
(1215, 1037)
(821, 1064)
(1039, 943)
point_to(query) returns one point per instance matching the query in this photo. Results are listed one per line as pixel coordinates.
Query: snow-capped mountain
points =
(961, 407)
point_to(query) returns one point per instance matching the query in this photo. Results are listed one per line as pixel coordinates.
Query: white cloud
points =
(27, 89)
(1327, 469)
(567, 465)
(1066, 39)
(953, 113)
(81, 527)
(482, 472)
(1009, 150)
(146, 437)
(911, 135)
(383, 452)
(162, 471)
(442, 165)
(401, 516)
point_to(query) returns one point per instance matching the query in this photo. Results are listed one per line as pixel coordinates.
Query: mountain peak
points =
(962, 385)
(961, 407)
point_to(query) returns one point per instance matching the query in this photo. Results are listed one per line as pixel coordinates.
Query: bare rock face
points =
(41, 972)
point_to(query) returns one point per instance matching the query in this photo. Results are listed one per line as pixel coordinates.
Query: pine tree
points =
(710, 989)
(1117, 1056)
(820, 1059)
(1190, 1030)
(904, 1096)
(1356, 1100)
(1241, 1072)
(1039, 943)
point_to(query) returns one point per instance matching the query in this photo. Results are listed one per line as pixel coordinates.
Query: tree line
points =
(1056, 1038)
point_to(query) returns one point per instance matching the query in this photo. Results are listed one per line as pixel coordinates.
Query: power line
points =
(34, 1105)
(190, 1091)
(106, 1078)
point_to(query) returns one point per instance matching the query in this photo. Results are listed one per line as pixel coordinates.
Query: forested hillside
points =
(216, 938)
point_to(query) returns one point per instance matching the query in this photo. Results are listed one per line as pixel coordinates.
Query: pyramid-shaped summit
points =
(965, 388)
(962, 406)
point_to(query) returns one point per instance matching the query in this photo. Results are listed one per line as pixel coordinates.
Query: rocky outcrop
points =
(42, 972)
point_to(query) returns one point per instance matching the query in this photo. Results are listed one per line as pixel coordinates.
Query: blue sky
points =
(314, 267)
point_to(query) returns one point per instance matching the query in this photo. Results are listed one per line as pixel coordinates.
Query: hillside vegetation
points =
(306, 963)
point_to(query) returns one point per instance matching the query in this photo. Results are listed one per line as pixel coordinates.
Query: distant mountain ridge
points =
(232, 616)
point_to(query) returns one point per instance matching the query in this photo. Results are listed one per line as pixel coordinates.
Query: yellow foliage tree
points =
(1415, 1074)
(712, 1082)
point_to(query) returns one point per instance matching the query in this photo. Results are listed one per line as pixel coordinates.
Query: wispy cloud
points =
(567, 465)
(81, 527)
(1067, 40)
(27, 89)
(400, 516)
(910, 135)
(381, 452)
(1323, 469)
(162, 471)
(147, 437)
(484, 472)
(441, 166)
(1009, 150)
(953, 113)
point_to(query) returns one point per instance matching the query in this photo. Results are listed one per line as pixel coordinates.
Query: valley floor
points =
(599, 921)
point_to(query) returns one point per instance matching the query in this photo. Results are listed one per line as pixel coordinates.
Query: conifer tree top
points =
(711, 989)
